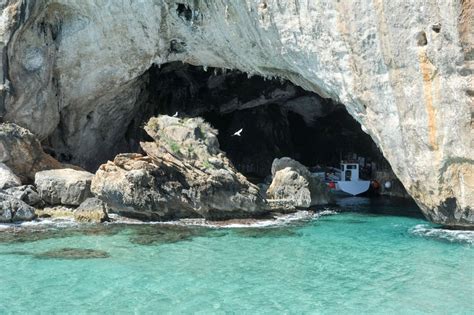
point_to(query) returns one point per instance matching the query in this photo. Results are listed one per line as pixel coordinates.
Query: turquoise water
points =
(365, 261)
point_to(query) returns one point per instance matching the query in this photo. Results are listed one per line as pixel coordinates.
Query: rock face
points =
(22, 152)
(184, 175)
(91, 210)
(7, 178)
(27, 194)
(293, 182)
(64, 186)
(74, 73)
(12, 210)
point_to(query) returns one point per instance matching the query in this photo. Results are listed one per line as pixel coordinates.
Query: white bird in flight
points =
(238, 133)
(175, 114)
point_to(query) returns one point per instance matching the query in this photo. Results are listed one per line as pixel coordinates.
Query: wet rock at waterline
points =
(55, 212)
(293, 183)
(22, 153)
(91, 210)
(13, 210)
(64, 186)
(184, 175)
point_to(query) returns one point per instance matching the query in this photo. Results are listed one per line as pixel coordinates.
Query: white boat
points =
(348, 180)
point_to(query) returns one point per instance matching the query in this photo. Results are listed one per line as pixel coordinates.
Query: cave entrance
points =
(278, 119)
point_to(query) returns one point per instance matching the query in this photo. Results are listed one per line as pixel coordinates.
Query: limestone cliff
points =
(72, 72)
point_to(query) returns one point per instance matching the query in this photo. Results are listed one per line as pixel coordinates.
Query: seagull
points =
(238, 133)
(175, 114)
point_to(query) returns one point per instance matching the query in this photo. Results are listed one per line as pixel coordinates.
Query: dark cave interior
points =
(278, 118)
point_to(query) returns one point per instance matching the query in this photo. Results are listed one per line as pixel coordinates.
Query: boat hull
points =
(353, 188)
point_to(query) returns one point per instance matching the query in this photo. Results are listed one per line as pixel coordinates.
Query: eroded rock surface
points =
(8, 178)
(184, 175)
(21, 151)
(12, 209)
(293, 182)
(27, 194)
(74, 67)
(91, 210)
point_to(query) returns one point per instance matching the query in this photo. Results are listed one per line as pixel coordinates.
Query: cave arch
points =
(75, 64)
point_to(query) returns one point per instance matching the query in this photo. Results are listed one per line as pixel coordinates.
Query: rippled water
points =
(368, 260)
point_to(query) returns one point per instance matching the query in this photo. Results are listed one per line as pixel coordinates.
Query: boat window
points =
(351, 167)
(348, 175)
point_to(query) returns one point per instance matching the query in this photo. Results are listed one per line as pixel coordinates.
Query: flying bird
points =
(238, 133)
(175, 114)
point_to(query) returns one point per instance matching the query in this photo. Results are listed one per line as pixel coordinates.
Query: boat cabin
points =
(349, 171)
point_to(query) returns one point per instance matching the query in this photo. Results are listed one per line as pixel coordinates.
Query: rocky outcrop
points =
(7, 178)
(64, 186)
(12, 210)
(91, 210)
(74, 69)
(27, 194)
(293, 182)
(21, 151)
(183, 175)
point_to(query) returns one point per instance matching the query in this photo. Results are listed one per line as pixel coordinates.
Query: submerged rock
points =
(91, 210)
(293, 183)
(12, 210)
(165, 234)
(270, 232)
(185, 175)
(8, 178)
(21, 151)
(64, 186)
(73, 253)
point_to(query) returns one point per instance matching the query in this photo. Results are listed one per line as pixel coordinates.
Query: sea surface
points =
(358, 257)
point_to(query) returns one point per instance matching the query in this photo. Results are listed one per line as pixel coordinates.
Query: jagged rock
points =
(27, 194)
(64, 186)
(293, 182)
(12, 209)
(22, 152)
(185, 175)
(284, 162)
(7, 178)
(91, 210)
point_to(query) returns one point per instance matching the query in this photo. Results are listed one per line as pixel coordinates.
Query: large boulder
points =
(12, 209)
(91, 210)
(64, 186)
(293, 182)
(284, 162)
(7, 178)
(184, 175)
(22, 152)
